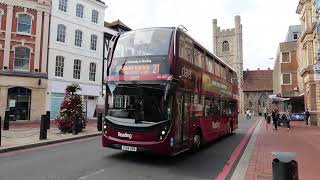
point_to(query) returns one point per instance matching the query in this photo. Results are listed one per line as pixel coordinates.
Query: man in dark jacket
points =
(306, 116)
(275, 117)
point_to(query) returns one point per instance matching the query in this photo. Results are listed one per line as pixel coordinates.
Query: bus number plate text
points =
(129, 148)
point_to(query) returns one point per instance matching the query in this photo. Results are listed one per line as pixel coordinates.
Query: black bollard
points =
(75, 125)
(99, 122)
(43, 128)
(6, 121)
(0, 130)
(48, 119)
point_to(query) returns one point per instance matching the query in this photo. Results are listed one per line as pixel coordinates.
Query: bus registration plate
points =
(129, 148)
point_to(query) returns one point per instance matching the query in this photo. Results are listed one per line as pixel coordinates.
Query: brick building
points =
(24, 32)
(257, 86)
(286, 80)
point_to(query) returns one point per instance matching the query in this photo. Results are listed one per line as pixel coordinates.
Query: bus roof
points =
(208, 52)
(196, 42)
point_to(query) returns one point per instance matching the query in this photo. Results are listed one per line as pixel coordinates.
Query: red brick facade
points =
(20, 39)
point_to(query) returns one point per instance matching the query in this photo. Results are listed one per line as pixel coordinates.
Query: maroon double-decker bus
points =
(168, 94)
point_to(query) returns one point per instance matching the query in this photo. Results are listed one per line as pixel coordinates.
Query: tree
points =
(70, 108)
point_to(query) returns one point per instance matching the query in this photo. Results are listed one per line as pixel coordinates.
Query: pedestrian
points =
(307, 116)
(275, 117)
(248, 114)
(265, 113)
(288, 119)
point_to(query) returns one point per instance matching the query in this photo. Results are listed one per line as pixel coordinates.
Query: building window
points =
(95, 16)
(78, 38)
(21, 58)
(92, 71)
(1, 14)
(285, 57)
(286, 78)
(295, 35)
(61, 33)
(63, 5)
(76, 69)
(79, 11)
(59, 66)
(93, 44)
(217, 68)
(24, 23)
(225, 46)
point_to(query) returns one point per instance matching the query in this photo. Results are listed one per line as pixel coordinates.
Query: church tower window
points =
(225, 46)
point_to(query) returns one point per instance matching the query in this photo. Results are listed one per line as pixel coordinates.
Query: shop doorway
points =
(19, 102)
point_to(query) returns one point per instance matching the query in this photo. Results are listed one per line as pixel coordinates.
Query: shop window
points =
(19, 102)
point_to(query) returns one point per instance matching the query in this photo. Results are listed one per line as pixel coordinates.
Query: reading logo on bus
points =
(125, 135)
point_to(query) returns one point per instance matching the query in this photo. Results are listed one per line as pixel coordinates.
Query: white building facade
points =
(76, 51)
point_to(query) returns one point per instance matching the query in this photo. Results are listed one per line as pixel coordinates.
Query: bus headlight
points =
(163, 133)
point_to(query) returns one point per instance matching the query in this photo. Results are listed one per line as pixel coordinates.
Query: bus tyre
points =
(196, 142)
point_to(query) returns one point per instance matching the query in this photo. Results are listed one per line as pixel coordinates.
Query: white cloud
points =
(265, 22)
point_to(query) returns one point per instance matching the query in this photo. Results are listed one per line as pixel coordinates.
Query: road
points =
(86, 159)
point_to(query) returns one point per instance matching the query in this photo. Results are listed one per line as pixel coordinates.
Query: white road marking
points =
(91, 174)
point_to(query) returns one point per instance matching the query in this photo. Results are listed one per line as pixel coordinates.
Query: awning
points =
(274, 98)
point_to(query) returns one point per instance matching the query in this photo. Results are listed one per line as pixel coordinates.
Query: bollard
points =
(48, 119)
(43, 128)
(0, 130)
(284, 166)
(6, 121)
(75, 125)
(99, 122)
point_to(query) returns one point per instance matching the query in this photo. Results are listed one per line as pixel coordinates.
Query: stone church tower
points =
(227, 44)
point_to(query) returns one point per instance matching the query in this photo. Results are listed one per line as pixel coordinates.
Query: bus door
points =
(224, 115)
(182, 119)
(217, 119)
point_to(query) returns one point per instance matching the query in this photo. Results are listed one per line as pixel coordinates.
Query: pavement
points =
(22, 135)
(256, 161)
(86, 159)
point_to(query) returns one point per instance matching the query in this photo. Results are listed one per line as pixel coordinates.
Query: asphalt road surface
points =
(88, 160)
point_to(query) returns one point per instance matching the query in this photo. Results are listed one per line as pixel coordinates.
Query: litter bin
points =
(268, 119)
(284, 166)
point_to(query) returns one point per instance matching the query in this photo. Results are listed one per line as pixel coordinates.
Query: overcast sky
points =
(265, 22)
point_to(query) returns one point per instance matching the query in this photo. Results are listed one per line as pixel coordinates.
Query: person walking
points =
(265, 113)
(288, 119)
(306, 116)
(248, 114)
(275, 117)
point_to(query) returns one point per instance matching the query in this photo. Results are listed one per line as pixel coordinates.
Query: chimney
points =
(247, 69)
(268, 68)
(258, 69)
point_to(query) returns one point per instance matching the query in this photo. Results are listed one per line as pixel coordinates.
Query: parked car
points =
(297, 116)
